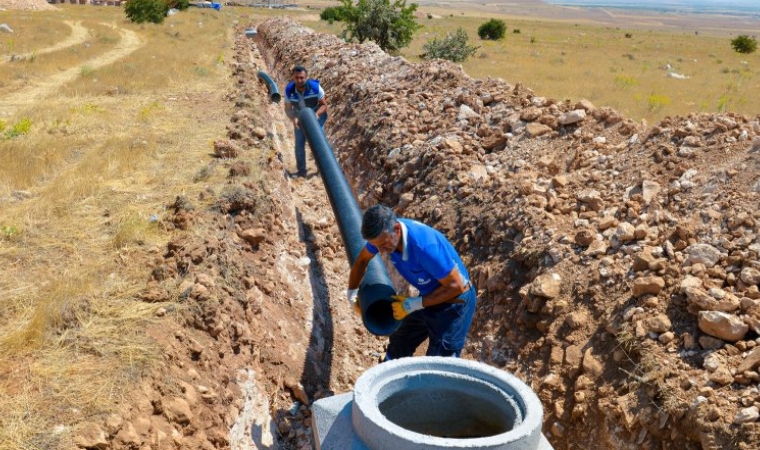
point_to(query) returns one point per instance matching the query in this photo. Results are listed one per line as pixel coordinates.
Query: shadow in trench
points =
(316, 373)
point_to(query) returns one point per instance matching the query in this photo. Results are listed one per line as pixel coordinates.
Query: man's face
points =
(300, 79)
(387, 242)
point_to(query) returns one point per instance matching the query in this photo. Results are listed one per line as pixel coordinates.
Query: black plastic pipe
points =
(274, 91)
(376, 289)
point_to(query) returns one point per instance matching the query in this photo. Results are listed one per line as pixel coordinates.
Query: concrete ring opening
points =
(435, 403)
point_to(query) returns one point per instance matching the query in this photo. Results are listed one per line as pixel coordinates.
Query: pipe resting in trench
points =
(376, 288)
(272, 89)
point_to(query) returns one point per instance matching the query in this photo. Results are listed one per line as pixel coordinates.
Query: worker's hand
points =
(295, 123)
(403, 306)
(353, 300)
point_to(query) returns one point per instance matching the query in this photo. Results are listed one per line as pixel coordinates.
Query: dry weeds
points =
(83, 194)
(626, 69)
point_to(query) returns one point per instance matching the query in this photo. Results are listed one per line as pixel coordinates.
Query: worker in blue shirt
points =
(302, 93)
(445, 305)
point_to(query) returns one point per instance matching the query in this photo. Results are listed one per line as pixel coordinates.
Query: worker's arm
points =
(291, 113)
(322, 102)
(355, 278)
(359, 268)
(451, 287)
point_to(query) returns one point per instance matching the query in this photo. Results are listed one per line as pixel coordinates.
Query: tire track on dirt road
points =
(129, 42)
(78, 35)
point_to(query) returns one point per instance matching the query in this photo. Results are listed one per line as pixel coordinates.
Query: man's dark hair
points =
(377, 219)
(299, 69)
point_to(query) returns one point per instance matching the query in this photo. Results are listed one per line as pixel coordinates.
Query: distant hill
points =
(730, 7)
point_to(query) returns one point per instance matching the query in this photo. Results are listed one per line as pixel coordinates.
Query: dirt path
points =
(78, 35)
(129, 42)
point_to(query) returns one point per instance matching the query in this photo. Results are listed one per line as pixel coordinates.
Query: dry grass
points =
(99, 165)
(24, 69)
(579, 61)
(31, 31)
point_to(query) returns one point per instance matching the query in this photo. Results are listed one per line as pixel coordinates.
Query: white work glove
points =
(353, 299)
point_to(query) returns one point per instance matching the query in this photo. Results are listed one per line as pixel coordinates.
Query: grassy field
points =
(92, 149)
(622, 68)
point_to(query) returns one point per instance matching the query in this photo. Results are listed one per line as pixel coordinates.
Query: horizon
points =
(732, 7)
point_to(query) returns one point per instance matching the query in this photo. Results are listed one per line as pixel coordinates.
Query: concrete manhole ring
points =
(435, 403)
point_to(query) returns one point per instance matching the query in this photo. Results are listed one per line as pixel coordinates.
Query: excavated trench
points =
(579, 226)
(616, 262)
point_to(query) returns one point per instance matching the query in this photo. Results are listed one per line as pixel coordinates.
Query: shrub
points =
(744, 44)
(390, 25)
(140, 11)
(493, 29)
(179, 4)
(453, 47)
(516, 31)
(333, 14)
(19, 128)
(656, 102)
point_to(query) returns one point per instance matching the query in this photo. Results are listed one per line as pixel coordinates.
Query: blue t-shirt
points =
(428, 256)
(312, 93)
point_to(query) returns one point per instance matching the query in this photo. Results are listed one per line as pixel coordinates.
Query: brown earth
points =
(616, 262)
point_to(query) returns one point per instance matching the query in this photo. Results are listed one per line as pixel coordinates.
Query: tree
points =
(744, 44)
(494, 29)
(390, 26)
(146, 10)
(453, 47)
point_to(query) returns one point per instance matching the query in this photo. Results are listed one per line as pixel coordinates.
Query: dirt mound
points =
(617, 262)
(33, 5)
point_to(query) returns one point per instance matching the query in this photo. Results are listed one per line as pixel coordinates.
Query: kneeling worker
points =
(426, 259)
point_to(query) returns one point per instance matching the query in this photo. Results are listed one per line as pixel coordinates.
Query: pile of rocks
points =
(33, 5)
(619, 262)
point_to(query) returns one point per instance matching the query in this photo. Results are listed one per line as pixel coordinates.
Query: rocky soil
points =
(617, 262)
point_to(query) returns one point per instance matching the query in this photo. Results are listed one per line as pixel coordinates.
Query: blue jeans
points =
(446, 325)
(301, 146)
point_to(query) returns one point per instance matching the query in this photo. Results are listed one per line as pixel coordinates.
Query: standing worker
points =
(426, 259)
(302, 93)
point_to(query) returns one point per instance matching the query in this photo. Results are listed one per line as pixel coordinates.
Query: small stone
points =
(667, 337)
(746, 415)
(649, 190)
(259, 133)
(722, 376)
(591, 365)
(722, 325)
(406, 199)
(546, 285)
(625, 232)
(584, 237)
(658, 324)
(750, 276)
(572, 117)
(710, 343)
(254, 236)
(702, 253)
(89, 435)
(647, 285)
(177, 410)
(597, 248)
